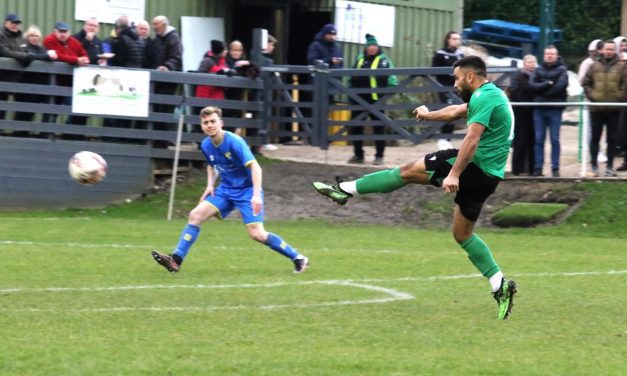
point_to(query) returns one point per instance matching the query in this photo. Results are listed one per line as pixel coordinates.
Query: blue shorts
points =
(226, 199)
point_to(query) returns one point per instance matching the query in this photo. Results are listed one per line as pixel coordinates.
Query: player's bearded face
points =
(461, 84)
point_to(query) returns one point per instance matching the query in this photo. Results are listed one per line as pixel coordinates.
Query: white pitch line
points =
(213, 247)
(348, 282)
(392, 296)
(78, 245)
(45, 218)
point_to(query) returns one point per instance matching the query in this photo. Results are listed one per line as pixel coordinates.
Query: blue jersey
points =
(231, 159)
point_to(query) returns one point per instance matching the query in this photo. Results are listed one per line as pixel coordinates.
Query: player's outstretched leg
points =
(384, 181)
(504, 297)
(333, 191)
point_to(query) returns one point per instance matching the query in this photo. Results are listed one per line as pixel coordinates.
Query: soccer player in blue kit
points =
(240, 187)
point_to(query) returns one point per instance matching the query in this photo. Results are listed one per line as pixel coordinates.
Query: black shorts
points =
(475, 186)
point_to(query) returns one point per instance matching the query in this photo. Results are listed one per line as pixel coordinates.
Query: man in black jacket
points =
(128, 49)
(549, 82)
(165, 50)
(13, 45)
(164, 53)
(89, 39)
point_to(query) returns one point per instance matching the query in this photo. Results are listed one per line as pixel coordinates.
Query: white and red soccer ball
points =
(87, 168)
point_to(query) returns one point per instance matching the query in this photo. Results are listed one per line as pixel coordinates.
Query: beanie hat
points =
(593, 46)
(370, 40)
(217, 47)
(328, 29)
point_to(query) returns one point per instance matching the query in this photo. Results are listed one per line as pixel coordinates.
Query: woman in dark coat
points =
(524, 139)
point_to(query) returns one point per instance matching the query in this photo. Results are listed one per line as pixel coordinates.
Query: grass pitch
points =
(80, 295)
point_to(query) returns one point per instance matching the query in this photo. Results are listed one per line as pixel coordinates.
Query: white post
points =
(586, 142)
(175, 164)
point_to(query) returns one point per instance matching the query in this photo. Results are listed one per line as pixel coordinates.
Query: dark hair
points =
(552, 46)
(474, 62)
(446, 38)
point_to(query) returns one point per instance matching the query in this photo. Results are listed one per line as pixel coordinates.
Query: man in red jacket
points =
(69, 50)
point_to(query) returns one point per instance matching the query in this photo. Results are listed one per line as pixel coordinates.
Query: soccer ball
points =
(87, 168)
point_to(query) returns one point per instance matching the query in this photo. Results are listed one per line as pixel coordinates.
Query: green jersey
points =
(490, 107)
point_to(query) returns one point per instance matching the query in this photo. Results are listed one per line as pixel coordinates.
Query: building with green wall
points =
(418, 29)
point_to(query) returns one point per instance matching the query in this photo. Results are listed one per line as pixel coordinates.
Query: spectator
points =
(127, 47)
(594, 49)
(325, 48)
(143, 30)
(166, 49)
(236, 58)
(549, 83)
(605, 81)
(267, 58)
(69, 50)
(446, 57)
(621, 134)
(33, 46)
(90, 41)
(12, 45)
(164, 53)
(239, 65)
(621, 45)
(372, 58)
(523, 143)
(214, 61)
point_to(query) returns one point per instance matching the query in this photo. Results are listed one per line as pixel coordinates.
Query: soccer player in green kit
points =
(472, 172)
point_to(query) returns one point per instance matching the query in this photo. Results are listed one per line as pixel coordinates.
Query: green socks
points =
(380, 182)
(480, 256)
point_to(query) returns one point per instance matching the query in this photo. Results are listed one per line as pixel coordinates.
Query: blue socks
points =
(190, 233)
(188, 237)
(276, 243)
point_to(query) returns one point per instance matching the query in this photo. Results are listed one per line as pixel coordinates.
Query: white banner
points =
(107, 91)
(107, 11)
(354, 20)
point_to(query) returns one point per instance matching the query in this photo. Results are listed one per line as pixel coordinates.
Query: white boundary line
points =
(213, 247)
(347, 282)
(45, 218)
(78, 245)
(392, 295)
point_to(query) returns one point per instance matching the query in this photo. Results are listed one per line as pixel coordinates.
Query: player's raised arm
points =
(448, 113)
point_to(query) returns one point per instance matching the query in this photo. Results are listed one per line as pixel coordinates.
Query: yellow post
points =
(338, 115)
(295, 99)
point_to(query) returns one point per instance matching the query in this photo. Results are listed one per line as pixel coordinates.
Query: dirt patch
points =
(289, 195)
